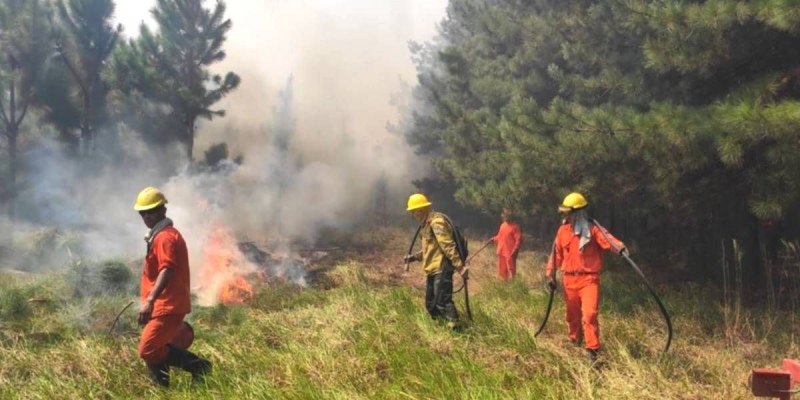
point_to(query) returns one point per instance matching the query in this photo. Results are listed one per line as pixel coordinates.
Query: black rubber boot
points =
(188, 361)
(159, 373)
(592, 354)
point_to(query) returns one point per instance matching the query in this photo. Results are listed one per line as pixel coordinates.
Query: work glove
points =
(409, 258)
(624, 252)
(551, 282)
(464, 271)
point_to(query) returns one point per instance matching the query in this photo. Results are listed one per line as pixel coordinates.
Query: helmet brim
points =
(418, 206)
(146, 207)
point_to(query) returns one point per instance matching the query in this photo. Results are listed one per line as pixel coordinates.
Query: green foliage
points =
(26, 41)
(14, 304)
(171, 66)
(656, 110)
(110, 277)
(116, 276)
(85, 41)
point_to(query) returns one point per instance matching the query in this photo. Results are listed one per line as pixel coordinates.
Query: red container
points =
(771, 383)
(184, 338)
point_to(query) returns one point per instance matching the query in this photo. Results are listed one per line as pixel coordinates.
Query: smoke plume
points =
(345, 59)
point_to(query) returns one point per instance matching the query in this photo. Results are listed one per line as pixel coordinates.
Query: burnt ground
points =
(377, 254)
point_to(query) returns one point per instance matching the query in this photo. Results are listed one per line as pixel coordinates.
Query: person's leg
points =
(590, 302)
(512, 266)
(502, 267)
(572, 301)
(444, 293)
(430, 296)
(157, 333)
(188, 361)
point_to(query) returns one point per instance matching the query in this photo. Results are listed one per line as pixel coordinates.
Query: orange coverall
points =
(581, 280)
(167, 251)
(508, 239)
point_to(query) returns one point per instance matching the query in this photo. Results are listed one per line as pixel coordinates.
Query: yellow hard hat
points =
(573, 201)
(149, 198)
(416, 201)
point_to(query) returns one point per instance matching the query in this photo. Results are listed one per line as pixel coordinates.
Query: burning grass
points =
(364, 335)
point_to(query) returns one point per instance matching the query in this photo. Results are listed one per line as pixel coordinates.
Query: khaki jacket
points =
(437, 244)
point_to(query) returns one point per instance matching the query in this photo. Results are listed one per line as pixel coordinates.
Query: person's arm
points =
(552, 264)
(516, 234)
(413, 257)
(146, 309)
(607, 241)
(164, 249)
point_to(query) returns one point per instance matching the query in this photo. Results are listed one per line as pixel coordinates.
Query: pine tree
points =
(171, 66)
(677, 119)
(84, 46)
(282, 129)
(25, 44)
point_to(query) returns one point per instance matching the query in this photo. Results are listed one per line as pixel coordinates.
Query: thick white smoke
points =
(346, 57)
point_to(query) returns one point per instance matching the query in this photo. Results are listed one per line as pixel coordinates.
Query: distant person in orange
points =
(508, 239)
(578, 252)
(165, 293)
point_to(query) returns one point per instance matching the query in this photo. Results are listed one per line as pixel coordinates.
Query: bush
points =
(14, 305)
(116, 276)
(105, 278)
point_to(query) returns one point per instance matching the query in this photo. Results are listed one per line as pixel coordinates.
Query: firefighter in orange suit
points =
(508, 239)
(165, 293)
(578, 251)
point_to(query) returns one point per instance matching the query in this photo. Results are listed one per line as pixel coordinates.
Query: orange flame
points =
(225, 267)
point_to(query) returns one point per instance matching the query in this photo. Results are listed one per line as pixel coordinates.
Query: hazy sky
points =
(346, 55)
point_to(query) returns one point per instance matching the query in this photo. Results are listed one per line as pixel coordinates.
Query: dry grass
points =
(360, 332)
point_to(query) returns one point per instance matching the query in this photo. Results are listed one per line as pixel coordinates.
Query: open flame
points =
(223, 275)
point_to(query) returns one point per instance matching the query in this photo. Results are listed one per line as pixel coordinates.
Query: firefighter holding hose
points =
(508, 239)
(578, 253)
(440, 258)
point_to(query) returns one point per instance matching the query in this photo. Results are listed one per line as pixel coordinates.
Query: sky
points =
(346, 56)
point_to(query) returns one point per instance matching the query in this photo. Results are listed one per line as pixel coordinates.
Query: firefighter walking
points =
(439, 257)
(508, 239)
(165, 294)
(578, 253)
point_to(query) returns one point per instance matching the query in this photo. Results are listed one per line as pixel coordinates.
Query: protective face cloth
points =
(580, 227)
(157, 228)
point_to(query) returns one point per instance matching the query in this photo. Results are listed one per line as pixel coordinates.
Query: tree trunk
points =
(190, 138)
(12, 170)
(12, 130)
(87, 139)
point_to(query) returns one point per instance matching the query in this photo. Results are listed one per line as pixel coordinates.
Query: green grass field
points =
(360, 332)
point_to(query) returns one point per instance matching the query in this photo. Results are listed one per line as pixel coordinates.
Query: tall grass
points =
(357, 337)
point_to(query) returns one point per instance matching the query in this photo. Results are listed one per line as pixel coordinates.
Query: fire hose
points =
(646, 282)
(411, 247)
(468, 260)
(552, 294)
(113, 324)
(464, 274)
